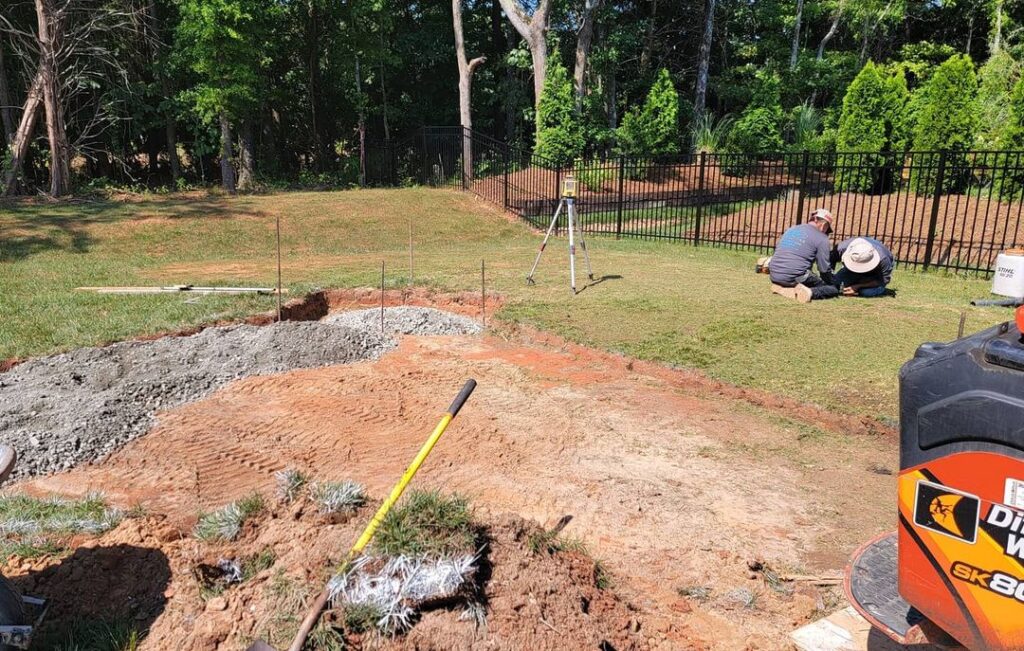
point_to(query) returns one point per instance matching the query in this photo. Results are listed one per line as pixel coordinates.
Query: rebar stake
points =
(278, 221)
(382, 297)
(483, 295)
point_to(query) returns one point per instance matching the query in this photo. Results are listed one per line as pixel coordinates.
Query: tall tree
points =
(60, 151)
(23, 135)
(704, 58)
(533, 29)
(794, 51)
(583, 43)
(466, 69)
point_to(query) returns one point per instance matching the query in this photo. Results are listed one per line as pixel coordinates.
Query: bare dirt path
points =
(674, 484)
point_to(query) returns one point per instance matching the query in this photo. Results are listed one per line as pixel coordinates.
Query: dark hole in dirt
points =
(584, 605)
(103, 590)
(606, 646)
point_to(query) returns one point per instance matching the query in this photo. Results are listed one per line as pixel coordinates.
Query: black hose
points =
(1006, 302)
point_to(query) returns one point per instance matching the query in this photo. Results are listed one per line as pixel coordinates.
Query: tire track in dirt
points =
(670, 484)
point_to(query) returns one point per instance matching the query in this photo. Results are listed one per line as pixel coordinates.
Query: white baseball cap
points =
(860, 256)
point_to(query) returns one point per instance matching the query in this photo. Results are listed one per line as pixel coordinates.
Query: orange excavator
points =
(952, 574)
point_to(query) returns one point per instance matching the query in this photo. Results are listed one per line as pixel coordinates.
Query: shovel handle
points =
(321, 602)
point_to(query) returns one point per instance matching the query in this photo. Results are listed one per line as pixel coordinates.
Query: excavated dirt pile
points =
(68, 409)
(148, 573)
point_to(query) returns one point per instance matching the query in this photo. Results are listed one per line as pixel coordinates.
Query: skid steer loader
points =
(952, 573)
(19, 614)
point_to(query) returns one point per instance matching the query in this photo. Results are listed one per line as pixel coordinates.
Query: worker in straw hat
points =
(867, 267)
(798, 250)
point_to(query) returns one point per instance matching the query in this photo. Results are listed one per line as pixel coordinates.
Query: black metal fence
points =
(952, 210)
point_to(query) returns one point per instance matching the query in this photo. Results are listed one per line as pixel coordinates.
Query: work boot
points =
(788, 292)
(803, 293)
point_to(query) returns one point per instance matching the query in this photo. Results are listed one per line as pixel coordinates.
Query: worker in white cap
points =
(798, 250)
(867, 267)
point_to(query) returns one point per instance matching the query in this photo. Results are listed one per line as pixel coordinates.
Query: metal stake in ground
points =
(382, 297)
(483, 296)
(411, 275)
(568, 201)
(279, 267)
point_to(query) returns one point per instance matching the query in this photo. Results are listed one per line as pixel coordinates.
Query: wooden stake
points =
(278, 267)
(483, 296)
(382, 297)
(960, 329)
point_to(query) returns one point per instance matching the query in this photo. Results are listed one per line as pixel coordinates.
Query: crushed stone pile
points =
(407, 321)
(63, 410)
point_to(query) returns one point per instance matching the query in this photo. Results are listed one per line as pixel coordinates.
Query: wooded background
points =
(176, 93)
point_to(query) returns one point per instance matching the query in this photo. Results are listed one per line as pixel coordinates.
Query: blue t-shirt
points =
(798, 249)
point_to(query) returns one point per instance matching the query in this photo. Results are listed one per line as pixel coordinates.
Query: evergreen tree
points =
(652, 129)
(996, 81)
(758, 131)
(871, 129)
(1011, 181)
(947, 118)
(560, 134)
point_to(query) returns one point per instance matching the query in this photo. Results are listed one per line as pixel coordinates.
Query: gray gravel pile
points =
(79, 406)
(407, 321)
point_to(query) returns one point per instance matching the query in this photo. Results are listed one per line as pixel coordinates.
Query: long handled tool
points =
(321, 602)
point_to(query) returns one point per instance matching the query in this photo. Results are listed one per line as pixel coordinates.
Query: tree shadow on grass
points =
(100, 598)
(29, 227)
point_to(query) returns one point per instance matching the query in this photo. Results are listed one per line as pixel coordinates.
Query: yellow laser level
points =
(569, 187)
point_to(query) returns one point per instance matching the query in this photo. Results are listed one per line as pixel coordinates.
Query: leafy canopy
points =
(560, 137)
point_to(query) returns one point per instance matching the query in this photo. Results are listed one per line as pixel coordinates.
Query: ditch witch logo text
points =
(947, 511)
(1005, 525)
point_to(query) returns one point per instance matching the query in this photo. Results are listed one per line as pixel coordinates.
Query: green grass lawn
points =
(669, 302)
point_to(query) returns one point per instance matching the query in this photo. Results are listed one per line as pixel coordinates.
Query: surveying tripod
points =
(568, 202)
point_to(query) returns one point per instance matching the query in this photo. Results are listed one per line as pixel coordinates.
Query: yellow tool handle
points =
(410, 472)
(314, 613)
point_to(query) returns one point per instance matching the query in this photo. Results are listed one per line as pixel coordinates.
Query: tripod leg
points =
(586, 254)
(547, 236)
(572, 247)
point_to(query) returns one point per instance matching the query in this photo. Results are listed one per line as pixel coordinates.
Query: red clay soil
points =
(149, 573)
(674, 481)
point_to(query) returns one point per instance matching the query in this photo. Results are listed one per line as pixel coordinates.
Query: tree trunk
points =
(172, 148)
(613, 104)
(646, 53)
(466, 69)
(361, 126)
(997, 30)
(5, 102)
(227, 170)
(833, 28)
(583, 42)
(60, 155)
(23, 135)
(705, 58)
(532, 29)
(794, 52)
(246, 157)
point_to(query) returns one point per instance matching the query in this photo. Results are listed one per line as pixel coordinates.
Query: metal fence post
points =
(622, 197)
(423, 156)
(505, 157)
(939, 179)
(558, 191)
(467, 148)
(700, 197)
(803, 187)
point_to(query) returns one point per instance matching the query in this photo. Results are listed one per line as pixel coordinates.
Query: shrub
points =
(652, 129)
(559, 130)
(871, 122)
(1010, 181)
(755, 134)
(710, 135)
(996, 80)
(947, 118)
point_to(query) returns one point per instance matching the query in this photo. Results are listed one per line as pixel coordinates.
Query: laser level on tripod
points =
(567, 201)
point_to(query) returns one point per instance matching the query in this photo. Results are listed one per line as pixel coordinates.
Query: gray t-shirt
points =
(882, 273)
(799, 248)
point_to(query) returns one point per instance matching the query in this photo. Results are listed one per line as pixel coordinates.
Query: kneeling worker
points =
(867, 267)
(799, 248)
